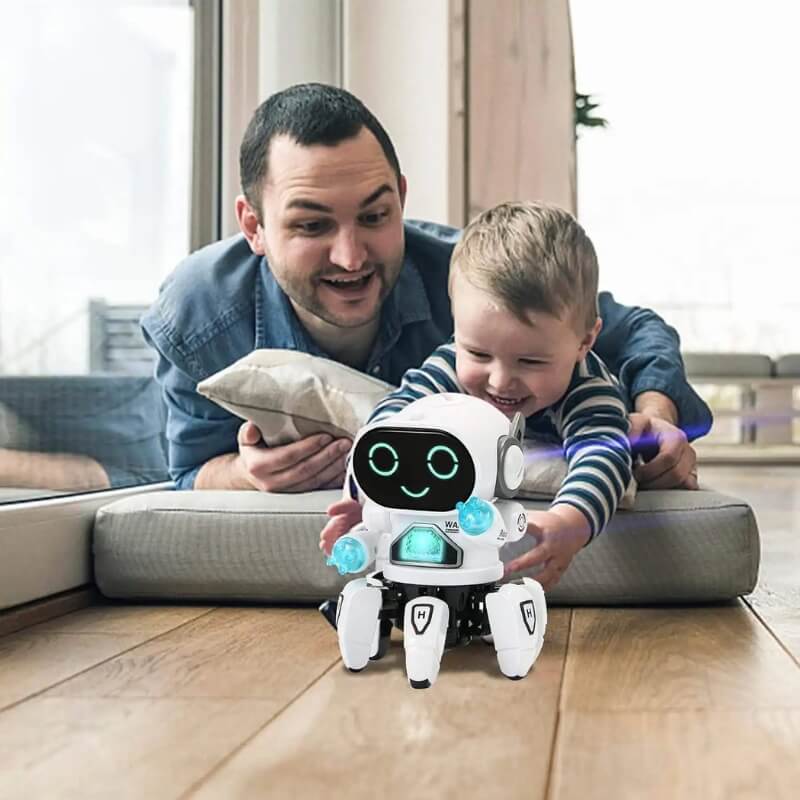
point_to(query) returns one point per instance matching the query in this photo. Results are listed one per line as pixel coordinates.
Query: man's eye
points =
(313, 227)
(374, 217)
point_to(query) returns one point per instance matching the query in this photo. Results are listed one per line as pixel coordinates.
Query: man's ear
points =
(589, 339)
(402, 187)
(250, 225)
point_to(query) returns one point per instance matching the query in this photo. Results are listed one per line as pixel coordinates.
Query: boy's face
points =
(515, 366)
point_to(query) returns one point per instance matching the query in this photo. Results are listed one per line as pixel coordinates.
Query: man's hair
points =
(531, 257)
(309, 113)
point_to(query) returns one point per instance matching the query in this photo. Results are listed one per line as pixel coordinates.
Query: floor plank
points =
(473, 734)
(93, 748)
(677, 754)
(713, 657)
(774, 493)
(39, 657)
(266, 653)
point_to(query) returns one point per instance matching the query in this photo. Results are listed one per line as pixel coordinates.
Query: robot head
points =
(438, 451)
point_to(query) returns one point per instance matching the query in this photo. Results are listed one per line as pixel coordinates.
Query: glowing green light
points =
(442, 475)
(384, 473)
(422, 544)
(416, 495)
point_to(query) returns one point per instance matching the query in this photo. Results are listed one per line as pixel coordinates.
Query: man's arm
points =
(59, 471)
(644, 352)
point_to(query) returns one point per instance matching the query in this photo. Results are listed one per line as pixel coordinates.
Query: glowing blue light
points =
(444, 476)
(384, 473)
(475, 516)
(421, 544)
(348, 555)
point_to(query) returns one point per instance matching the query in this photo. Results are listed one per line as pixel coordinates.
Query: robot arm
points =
(355, 551)
(495, 523)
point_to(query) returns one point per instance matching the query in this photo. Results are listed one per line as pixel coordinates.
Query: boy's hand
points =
(343, 515)
(561, 532)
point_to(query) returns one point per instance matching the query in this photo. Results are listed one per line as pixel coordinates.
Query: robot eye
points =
(383, 459)
(442, 462)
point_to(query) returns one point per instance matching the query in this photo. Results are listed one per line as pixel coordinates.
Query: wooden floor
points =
(163, 702)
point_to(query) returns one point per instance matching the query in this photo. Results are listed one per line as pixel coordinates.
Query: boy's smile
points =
(514, 365)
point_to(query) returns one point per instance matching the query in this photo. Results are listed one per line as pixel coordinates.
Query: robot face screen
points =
(414, 468)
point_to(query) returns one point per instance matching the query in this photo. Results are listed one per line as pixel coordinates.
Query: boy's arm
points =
(644, 353)
(593, 424)
(436, 375)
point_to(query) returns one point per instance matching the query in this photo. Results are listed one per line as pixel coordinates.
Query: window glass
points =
(692, 191)
(95, 159)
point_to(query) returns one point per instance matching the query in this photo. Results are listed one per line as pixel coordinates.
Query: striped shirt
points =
(590, 420)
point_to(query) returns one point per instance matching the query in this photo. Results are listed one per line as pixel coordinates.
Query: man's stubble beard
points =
(305, 296)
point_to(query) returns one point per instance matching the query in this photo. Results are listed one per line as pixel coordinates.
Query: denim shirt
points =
(222, 302)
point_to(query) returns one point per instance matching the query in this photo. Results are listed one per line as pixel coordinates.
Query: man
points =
(326, 265)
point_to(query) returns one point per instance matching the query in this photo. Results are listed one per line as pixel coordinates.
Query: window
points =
(96, 125)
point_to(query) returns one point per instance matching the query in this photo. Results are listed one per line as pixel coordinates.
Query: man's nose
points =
(347, 251)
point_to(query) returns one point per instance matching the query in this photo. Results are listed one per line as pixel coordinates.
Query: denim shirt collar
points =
(277, 325)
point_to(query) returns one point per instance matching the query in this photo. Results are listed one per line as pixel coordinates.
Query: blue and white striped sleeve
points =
(593, 424)
(436, 375)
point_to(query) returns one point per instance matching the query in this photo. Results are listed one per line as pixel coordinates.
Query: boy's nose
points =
(500, 379)
(347, 251)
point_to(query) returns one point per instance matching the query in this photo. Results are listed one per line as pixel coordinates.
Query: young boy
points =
(523, 285)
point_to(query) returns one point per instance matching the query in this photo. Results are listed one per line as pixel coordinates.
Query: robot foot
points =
(518, 618)
(424, 633)
(358, 624)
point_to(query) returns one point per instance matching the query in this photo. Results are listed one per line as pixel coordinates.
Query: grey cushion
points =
(674, 546)
(727, 365)
(788, 366)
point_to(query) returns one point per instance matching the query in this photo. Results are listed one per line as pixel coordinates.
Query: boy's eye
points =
(532, 362)
(478, 354)
(374, 217)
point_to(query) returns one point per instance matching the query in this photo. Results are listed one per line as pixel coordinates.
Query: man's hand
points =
(560, 532)
(316, 462)
(670, 461)
(343, 516)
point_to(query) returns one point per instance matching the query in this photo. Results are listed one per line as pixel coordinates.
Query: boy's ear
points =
(587, 343)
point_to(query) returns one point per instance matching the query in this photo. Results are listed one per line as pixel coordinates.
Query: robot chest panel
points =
(426, 542)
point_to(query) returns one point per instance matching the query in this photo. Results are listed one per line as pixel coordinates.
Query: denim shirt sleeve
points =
(644, 353)
(196, 429)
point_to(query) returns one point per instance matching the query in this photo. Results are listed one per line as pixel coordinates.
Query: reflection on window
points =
(95, 125)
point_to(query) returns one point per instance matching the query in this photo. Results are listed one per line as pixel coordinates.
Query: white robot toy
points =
(437, 479)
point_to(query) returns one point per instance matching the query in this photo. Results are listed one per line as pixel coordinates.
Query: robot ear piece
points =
(517, 427)
(510, 467)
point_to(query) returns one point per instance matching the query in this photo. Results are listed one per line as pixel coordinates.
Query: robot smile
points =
(416, 495)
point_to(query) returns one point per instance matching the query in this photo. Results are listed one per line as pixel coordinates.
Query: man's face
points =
(332, 226)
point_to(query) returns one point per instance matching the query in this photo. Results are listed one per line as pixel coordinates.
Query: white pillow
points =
(291, 395)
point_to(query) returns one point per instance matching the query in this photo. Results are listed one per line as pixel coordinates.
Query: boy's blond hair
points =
(531, 257)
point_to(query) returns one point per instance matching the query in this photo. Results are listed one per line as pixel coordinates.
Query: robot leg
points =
(424, 633)
(518, 618)
(358, 623)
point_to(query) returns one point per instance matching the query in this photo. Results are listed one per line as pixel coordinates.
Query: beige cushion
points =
(290, 395)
